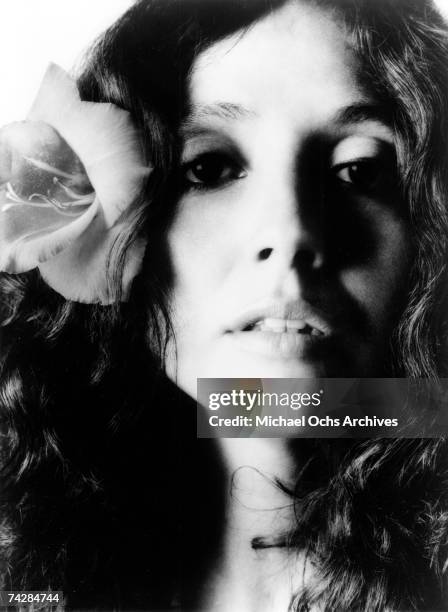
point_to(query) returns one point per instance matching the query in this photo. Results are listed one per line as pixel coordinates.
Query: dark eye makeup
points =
(211, 170)
(362, 173)
(367, 176)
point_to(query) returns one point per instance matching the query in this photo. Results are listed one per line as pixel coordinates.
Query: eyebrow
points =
(220, 110)
(358, 113)
(349, 115)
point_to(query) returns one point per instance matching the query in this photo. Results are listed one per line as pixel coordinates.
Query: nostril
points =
(264, 254)
(306, 258)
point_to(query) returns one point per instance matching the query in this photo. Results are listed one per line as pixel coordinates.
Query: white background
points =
(35, 32)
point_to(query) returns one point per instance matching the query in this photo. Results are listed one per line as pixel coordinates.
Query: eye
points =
(365, 175)
(366, 165)
(211, 170)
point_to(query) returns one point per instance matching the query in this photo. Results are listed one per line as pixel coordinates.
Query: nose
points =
(289, 230)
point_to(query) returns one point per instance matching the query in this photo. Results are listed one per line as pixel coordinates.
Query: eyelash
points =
(364, 174)
(223, 169)
(226, 168)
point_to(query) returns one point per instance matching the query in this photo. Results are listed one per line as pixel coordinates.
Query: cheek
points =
(380, 284)
(202, 248)
(209, 236)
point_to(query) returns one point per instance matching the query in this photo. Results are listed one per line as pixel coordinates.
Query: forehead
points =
(296, 61)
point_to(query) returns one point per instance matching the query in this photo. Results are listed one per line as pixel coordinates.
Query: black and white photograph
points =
(224, 305)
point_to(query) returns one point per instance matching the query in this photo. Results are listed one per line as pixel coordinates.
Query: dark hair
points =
(77, 382)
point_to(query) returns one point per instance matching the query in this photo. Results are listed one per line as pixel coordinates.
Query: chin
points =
(243, 366)
(229, 360)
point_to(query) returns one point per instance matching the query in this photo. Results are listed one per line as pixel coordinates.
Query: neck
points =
(257, 504)
(270, 456)
(259, 515)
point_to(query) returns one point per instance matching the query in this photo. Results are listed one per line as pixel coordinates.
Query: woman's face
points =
(289, 243)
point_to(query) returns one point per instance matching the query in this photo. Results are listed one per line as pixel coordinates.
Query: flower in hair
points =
(69, 176)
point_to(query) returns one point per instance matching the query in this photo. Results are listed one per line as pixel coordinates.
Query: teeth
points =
(316, 332)
(296, 325)
(283, 326)
(275, 325)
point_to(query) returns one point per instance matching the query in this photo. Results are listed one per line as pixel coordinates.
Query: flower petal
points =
(79, 273)
(24, 245)
(102, 135)
(46, 199)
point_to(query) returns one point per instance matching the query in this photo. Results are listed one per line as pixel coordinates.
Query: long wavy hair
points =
(98, 452)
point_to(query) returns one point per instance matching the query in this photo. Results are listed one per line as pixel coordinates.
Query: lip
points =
(285, 331)
(294, 315)
(274, 345)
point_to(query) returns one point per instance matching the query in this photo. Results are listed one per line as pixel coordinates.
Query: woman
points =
(294, 223)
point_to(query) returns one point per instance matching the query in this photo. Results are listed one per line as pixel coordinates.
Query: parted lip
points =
(294, 314)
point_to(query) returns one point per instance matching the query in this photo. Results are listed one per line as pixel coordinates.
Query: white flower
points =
(69, 175)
